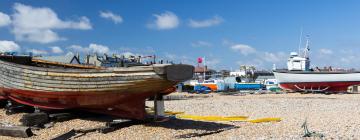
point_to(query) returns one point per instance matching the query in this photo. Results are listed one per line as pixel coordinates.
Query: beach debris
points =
(60, 117)
(73, 133)
(109, 127)
(13, 108)
(35, 119)
(308, 133)
(191, 135)
(16, 131)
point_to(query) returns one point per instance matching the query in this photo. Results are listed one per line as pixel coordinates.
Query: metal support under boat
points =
(311, 89)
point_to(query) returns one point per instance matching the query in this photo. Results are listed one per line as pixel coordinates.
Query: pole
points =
(204, 69)
(300, 39)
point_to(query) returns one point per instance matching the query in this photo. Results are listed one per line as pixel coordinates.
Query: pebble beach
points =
(334, 116)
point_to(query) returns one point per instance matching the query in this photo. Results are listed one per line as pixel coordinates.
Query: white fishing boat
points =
(299, 76)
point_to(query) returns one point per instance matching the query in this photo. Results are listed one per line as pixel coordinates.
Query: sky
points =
(228, 33)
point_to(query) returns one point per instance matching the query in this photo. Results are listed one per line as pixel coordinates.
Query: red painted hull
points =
(131, 105)
(319, 86)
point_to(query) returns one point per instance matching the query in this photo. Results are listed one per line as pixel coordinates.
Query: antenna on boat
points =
(301, 32)
(307, 47)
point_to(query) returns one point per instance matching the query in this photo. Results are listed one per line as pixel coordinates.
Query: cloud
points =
(216, 20)
(243, 49)
(98, 48)
(212, 62)
(349, 59)
(273, 57)
(37, 52)
(4, 19)
(56, 50)
(9, 46)
(165, 21)
(170, 56)
(111, 16)
(258, 63)
(325, 51)
(92, 48)
(34, 24)
(201, 44)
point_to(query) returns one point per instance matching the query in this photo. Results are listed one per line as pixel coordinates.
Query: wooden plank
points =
(110, 70)
(74, 75)
(65, 65)
(16, 79)
(76, 79)
(140, 86)
(16, 131)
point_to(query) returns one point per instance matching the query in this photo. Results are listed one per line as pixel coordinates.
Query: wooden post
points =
(15, 131)
(158, 106)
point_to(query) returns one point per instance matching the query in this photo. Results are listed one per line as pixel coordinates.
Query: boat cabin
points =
(298, 63)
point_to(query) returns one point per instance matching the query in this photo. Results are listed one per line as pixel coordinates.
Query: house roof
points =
(62, 59)
(199, 69)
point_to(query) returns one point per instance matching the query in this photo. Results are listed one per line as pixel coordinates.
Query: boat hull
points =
(114, 103)
(119, 92)
(317, 81)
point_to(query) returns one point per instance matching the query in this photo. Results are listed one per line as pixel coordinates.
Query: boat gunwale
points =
(78, 70)
(316, 72)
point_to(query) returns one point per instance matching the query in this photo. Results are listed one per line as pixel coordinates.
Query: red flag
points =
(200, 60)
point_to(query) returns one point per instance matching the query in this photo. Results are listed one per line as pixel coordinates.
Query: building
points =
(199, 72)
(69, 58)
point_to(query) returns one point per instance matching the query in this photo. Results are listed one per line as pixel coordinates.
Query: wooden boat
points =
(118, 91)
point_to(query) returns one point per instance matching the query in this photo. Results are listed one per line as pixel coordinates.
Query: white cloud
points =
(258, 63)
(170, 56)
(37, 52)
(273, 57)
(4, 19)
(216, 20)
(212, 62)
(128, 54)
(348, 59)
(201, 44)
(34, 24)
(111, 16)
(98, 48)
(78, 48)
(325, 51)
(8, 46)
(92, 48)
(243, 49)
(56, 50)
(166, 20)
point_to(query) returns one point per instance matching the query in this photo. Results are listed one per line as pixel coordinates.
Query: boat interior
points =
(29, 61)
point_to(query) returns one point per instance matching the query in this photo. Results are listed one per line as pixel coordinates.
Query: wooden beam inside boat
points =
(65, 65)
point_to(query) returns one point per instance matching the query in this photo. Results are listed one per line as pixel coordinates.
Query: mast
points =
(300, 39)
(307, 48)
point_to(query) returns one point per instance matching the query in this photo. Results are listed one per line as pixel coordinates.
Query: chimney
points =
(78, 55)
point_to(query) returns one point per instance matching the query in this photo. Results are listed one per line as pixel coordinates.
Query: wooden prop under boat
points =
(117, 91)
